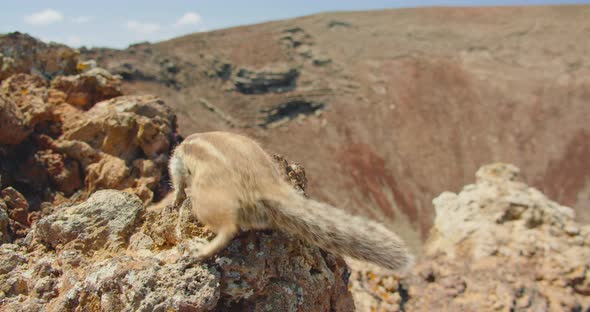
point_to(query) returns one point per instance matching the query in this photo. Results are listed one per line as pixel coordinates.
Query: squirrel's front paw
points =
(191, 254)
(197, 255)
(178, 202)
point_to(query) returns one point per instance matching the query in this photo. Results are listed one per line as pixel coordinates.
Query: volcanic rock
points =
(111, 253)
(65, 135)
(21, 53)
(496, 245)
(88, 88)
(13, 127)
(104, 221)
(30, 94)
(4, 221)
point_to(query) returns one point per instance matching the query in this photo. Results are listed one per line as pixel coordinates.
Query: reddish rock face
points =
(65, 137)
(13, 128)
(88, 88)
(412, 101)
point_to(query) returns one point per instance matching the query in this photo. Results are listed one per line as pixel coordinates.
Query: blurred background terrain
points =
(387, 98)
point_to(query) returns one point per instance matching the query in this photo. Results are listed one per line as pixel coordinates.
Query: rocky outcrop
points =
(90, 87)
(119, 144)
(4, 221)
(279, 78)
(15, 217)
(110, 253)
(13, 127)
(300, 44)
(122, 143)
(501, 216)
(131, 67)
(25, 103)
(294, 109)
(104, 221)
(21, 53)
(63, 137)
(498, 245)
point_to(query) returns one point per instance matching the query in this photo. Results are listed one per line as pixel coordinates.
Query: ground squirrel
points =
(234, 185)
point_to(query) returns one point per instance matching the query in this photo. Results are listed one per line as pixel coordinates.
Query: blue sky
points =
(120, 23)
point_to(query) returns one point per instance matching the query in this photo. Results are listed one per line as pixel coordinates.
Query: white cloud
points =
(82, 19)
(45, 17)
(143, 28)
(189, 18)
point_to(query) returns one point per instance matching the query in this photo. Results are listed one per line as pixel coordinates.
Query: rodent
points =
(234, 185)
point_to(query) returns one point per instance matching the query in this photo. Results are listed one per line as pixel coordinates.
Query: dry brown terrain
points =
(372, 104)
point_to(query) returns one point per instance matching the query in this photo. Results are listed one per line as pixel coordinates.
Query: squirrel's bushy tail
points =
(332, 229)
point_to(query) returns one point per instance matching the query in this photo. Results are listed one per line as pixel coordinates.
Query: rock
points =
(168, 70)
(109, 253)
(246, 276)
(293, 109)
(13, 127)
(497, 215)
(104, 221)
(497, 245)
(497, 173)
(12, 281)
(277, 78)
(59, 147)
(104, 171)
(300, 44)
(4, 222)
(338, 24)
(126, 126)
(108, 173)
(295, 37)
(36, 282)
(122, 144)
(21, 53)
(169, 66)
(10, 259)
(220, 69)
(28, 93)
(17, 208)
(78, 150)
(130, 73)
(247, 284)
(88, 88)
(146, 284)
(63, 172)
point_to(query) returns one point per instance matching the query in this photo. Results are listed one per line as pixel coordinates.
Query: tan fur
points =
(234, 185)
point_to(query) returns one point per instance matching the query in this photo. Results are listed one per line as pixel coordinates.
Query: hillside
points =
(374, 103)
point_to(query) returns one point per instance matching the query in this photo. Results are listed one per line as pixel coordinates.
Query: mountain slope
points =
(389, 97)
